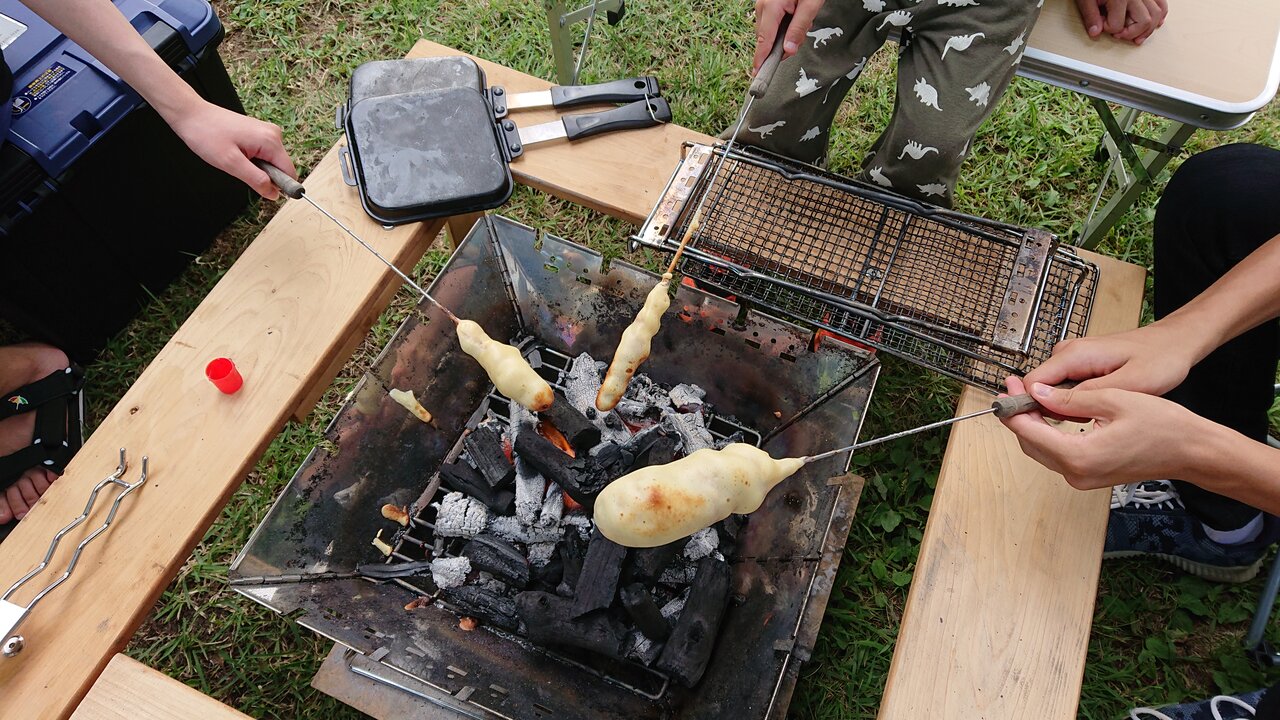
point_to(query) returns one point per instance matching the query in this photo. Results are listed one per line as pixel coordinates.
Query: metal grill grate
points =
(930, 285)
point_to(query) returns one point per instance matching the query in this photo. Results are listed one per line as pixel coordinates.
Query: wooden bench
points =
(129, 690)
(303, 295)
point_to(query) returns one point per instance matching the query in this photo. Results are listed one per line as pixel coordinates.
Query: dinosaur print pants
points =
(956, 60)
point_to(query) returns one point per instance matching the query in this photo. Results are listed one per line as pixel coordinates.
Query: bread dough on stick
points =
(511, 375)
(663, 503)
(633, 348)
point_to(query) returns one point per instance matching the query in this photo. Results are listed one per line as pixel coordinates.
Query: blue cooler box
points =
(101, 205)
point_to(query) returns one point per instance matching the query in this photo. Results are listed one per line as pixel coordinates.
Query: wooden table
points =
(302, 295)
(129, 690)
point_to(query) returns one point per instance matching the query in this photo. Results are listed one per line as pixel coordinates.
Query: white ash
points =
(461, 516)
(552, 506)
(649, 394)
(687, 398)
(485, 581)
(640, 648)
(679, 574)
(631, 408)
(530, 487)
(580, 388)
(509, 528)
(692, 430)
(703, 543)
(736, 437)
(540, 553)
(672, 609)
(450, 572)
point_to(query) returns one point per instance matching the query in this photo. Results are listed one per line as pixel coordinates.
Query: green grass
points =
(1158, 636)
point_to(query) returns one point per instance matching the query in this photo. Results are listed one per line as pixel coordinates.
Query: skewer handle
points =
(770, 65)
(280, 179)
(1007, 407)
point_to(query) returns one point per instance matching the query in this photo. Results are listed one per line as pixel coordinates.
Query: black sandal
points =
(58, 401)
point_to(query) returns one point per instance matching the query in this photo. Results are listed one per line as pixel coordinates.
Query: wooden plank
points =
(458, 226)
(997, 620)
(129, 690)
(619, 174)
(1223, 50)
(285, 313)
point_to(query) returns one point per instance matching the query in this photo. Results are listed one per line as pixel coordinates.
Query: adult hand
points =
(1153, 359)
(1132, 20)
(228, 141)
(769, 17)
(1135, 436)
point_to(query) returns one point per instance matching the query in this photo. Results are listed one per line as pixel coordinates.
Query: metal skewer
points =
(295, 190)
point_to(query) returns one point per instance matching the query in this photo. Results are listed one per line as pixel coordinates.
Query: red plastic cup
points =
(224, 376)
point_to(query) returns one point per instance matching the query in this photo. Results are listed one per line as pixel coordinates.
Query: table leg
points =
(458, 226)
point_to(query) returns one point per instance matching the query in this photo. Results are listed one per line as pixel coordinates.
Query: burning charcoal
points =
(550, 620)
(640, 648)
(460, 516)
(687, 398)
(661, 451)
(598, 582)
(645, 391)
(581, 433)
(381, 571)
(647, 564)
(692, 429)
(572, 552)
(644, 612)
(530, 487)
(672, 609)
(552, 506)
(693, 637)
(731, 527)
(583, 382)
(577, 476)
(460, 476)
(550, 572)
(484, 447)
(450, 572)
(509, 528)
(680, 573)
(614, 460)
(541, 553)
(489, 607)
(498, 557)
(701, 544)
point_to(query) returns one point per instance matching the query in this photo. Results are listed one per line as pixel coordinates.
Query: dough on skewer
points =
(633, 348)
(511, 375)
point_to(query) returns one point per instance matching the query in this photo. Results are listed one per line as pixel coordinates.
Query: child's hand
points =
(769, 15)
(229, 141)
(1132, 20)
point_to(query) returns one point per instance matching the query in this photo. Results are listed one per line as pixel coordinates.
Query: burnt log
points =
(614, 460)
(484, 447)
(581, 433)
(598, 581)
(647, 564)
(576, 476)
(498, 558)
(688, 650)
(660, 451)
(644, 612)
(550, 620)
(460, 476)
(484, 605)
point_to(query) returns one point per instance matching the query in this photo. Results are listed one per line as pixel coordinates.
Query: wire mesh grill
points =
(919, 282)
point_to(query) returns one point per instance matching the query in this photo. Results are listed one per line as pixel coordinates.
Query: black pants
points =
(1218, 208)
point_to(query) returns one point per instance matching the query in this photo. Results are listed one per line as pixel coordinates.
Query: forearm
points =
(1233, 465)
(98, 27)
(1247, 296)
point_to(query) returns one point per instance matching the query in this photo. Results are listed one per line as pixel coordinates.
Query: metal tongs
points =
(11, 614)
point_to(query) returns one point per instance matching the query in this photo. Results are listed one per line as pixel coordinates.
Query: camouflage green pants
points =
(956, 60)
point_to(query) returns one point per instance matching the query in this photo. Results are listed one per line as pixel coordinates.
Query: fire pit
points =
(766, 382)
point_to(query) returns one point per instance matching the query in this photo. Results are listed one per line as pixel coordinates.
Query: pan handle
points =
(642, 114)
(287, 185)
(618, 91)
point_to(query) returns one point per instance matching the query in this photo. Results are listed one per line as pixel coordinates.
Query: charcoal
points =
(647, 564)
(499, 558)
(644, 612)
(460, 476)
(577, 476)
(581, 433)
(485, 605)
(598, 581)
(541, 553)
(736, 437)
(530, 487)
(671, 610)
(693, 637)
(692, 429)
(380, 571)
(662, 450)
(701, 544)
(614, 460)
(550, 620)
(687, 398)
(549, 574)
(640, 648)
(572, 552)
(460, 516)
(484, 447)
(509, 528)
(450, 572)
(679, 573)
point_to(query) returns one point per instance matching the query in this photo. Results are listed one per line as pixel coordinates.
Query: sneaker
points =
(1149, 519)
(1221, 707)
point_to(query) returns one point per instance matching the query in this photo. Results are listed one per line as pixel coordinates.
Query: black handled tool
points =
(564, 96)
(639, 114)
(1001, 407)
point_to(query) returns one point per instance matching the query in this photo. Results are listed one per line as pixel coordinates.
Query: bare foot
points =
(21, 364)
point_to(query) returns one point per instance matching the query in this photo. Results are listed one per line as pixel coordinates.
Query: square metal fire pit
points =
(798, 393)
